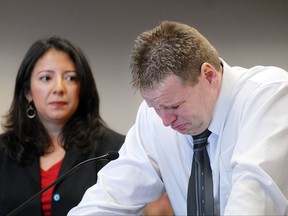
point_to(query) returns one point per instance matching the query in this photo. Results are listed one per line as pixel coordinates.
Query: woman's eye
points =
(72, 78)
(44, 78)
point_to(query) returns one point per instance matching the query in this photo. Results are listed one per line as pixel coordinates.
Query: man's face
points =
(186, 109)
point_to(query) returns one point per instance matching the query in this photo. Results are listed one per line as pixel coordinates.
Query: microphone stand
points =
(108, 156)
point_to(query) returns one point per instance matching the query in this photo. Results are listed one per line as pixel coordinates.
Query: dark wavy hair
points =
(27, 138)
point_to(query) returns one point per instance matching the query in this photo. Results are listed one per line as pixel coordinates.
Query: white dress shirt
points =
(248, 149)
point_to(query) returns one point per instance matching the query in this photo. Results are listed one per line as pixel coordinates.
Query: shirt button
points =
(56, 197)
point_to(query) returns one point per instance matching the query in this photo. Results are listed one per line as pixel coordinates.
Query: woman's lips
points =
(58, 103)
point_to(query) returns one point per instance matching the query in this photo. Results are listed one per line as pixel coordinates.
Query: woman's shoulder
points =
(3, 146)
(112, 135)
(3, 141)
(111, 140)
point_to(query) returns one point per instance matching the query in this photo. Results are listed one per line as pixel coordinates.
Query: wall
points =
(245, 33)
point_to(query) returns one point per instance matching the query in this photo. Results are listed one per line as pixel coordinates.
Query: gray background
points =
(245, 32)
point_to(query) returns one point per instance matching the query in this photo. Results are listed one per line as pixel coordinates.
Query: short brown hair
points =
(170, 48)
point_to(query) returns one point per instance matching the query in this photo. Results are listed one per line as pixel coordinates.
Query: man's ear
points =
(209, 72)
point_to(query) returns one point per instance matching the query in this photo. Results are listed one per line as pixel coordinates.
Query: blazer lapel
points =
(34, 171)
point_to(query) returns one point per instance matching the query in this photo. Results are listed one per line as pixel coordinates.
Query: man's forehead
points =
(165, 99)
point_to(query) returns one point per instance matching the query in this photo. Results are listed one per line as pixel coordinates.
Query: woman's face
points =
(55, 88)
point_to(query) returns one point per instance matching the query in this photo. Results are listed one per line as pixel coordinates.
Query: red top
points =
(47, 177)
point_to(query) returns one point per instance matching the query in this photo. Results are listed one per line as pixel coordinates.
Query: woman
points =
(52, 125)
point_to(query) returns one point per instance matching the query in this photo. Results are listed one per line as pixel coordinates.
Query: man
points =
(187, 88)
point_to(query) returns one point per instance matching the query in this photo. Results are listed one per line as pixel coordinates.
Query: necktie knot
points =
(200, 140)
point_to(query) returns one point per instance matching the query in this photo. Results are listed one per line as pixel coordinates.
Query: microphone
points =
(109, 156)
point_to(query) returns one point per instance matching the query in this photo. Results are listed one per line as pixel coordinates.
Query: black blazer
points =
(18, 183)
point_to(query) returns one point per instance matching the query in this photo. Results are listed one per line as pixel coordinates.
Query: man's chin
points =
(184, 131)
(188, 131)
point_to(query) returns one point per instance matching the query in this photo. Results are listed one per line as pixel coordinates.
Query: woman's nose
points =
(59, 86)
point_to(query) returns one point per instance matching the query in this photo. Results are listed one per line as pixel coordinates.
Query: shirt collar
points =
(224, 100)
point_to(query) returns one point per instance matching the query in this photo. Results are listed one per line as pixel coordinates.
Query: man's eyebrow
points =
(177, 103)
(172, 104)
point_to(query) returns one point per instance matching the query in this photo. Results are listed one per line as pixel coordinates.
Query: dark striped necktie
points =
(200, 199)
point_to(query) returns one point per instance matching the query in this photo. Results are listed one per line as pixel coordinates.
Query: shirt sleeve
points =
(125, 185)
(260, 158)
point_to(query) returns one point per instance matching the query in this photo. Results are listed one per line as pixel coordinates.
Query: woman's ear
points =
(28, 95)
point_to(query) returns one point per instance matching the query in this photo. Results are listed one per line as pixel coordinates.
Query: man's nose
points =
(167, 118)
